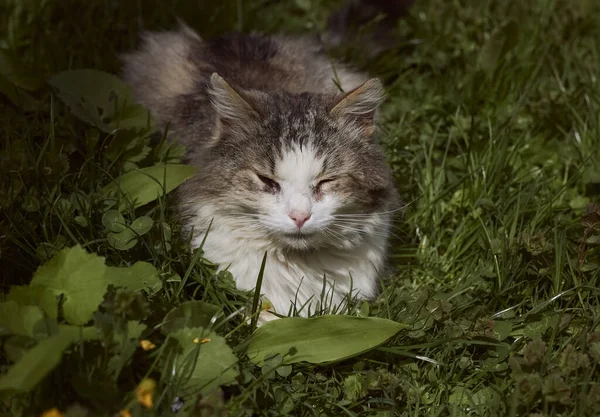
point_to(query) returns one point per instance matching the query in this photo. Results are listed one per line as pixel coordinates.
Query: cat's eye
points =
(321, 183)
(271, 184)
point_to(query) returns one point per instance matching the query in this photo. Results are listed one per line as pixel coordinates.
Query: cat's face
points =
(304, 198)
(298, 170)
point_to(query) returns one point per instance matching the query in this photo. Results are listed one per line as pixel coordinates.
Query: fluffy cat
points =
(288, 162)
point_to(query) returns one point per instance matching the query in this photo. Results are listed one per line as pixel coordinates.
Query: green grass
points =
(492, 126)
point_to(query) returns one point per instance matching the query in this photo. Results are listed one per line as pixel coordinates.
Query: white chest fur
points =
(296, 276)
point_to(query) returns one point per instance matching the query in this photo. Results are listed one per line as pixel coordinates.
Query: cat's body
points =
(287, 163)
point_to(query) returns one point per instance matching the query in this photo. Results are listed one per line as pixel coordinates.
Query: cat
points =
(288, 161)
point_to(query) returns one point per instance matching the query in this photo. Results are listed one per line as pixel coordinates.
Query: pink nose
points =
(299, 217)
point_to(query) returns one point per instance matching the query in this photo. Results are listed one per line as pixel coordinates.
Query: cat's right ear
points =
(230, 104)
(360, 105)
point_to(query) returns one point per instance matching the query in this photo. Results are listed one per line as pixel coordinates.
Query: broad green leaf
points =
(354, 387)
(114, 221)
(145, 185)
(579, 202)
(36, 364)
(206, 361)
(142, 225)
(16, 346)
(134, 331)
(127, 348)
(320, 339)
(498, 360)
(539, 328)
(128, 145)
(18, 319)
(36, 296)
(284, 371)
(100, 99)
(79, 277)
(81, 221)
(45, 328)
(486, 397)
(122, 358)
(169, 151)
(79, 333)
(272, 363)
(189, 314)
(502, 329)
(139, 276)
(459, 396)
(124, 240)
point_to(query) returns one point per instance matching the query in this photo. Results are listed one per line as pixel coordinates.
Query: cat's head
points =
(301, 171)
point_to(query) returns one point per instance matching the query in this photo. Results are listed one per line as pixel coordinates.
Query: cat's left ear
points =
(360, 104)
(232, 105)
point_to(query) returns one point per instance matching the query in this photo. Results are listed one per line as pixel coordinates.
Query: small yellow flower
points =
(125, 413)
(201, 341)
(53, 412)
(147, 345)
(145, 391)
(266, 305)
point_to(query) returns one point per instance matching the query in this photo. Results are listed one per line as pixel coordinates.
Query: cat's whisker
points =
(241, 213)
(384, 225)
(374, 232)
(358, 223)
(363, 232)
(361, 223)
(333, 236)
(369, 214)
(242, 217)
